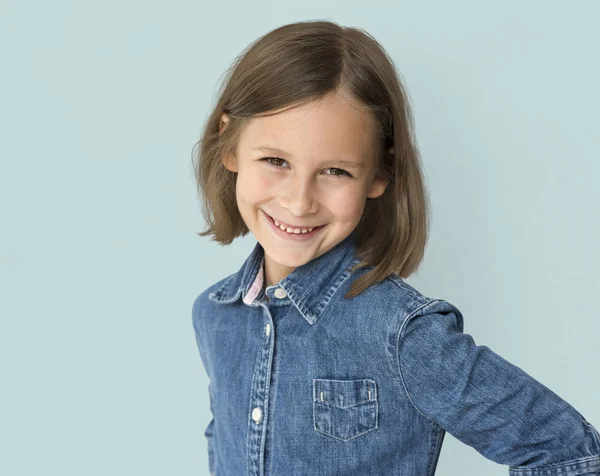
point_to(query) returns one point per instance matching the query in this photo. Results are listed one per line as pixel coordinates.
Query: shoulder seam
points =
(417, 295)
(397, 366)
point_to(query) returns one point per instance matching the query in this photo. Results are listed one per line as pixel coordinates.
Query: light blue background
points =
(101, 103)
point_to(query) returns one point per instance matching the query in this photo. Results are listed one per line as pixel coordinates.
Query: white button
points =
(280, 293)
(268, 329)
(256, 414)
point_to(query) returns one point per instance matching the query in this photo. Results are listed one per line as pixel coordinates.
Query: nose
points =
(299, 197)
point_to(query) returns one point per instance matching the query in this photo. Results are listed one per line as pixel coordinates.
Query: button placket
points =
(260, 402)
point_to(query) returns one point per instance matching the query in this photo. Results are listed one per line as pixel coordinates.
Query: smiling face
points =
(311, 165)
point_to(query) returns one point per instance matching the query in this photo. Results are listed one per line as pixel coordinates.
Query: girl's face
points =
(307, 166)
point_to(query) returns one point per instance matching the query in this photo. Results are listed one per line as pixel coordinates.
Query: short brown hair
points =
(301, 62)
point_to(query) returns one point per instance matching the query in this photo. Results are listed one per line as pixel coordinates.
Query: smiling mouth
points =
(292, 228)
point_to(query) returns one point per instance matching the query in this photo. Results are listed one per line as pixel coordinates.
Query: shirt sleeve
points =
(488, 403)
(209, 430)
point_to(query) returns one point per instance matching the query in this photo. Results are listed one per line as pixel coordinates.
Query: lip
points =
(292, 236)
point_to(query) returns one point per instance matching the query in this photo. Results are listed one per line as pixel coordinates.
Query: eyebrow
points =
(346, 163)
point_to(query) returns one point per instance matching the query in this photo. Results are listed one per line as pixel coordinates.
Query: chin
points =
(287, 260)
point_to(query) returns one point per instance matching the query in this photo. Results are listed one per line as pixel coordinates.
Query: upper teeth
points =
(292, 230)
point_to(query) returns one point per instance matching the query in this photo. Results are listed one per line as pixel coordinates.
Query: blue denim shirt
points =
(305, 382)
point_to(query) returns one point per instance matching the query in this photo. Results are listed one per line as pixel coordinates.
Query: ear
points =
(230, 163)
(223, 122)
(379, 184)
(377, 187)
(228, 160)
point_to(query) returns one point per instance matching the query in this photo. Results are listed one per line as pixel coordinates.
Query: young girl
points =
(322, 360)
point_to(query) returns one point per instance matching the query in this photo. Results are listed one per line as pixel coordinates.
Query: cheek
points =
(252, 187)
(266, 182)
(347, 203)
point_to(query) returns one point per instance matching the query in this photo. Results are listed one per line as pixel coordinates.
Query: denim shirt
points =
(305, 382)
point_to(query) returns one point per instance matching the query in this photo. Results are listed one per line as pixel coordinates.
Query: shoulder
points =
(391, 292)
(406, 301)
(204, 310)
(202, 301)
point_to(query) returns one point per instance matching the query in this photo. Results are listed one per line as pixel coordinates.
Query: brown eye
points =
(269, 159)
(342, 172)
(274, 162)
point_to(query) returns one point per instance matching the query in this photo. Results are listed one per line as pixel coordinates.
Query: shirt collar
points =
(309, 287)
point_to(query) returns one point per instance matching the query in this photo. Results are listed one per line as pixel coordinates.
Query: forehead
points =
(332, 126)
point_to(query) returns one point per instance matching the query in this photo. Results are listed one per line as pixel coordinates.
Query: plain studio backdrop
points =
(101, 103)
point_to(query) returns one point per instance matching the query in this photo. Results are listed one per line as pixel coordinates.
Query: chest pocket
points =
(344, 409)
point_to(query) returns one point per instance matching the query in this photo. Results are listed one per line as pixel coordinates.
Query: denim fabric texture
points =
(305, 382)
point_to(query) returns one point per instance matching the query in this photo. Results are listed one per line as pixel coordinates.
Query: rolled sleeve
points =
(488, 403)
(584, 466)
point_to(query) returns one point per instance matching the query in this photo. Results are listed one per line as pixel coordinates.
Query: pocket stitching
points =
(370, 385)
(374, 402)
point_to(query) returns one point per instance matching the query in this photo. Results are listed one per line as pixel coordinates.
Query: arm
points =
(208, 432)
(488, 403)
